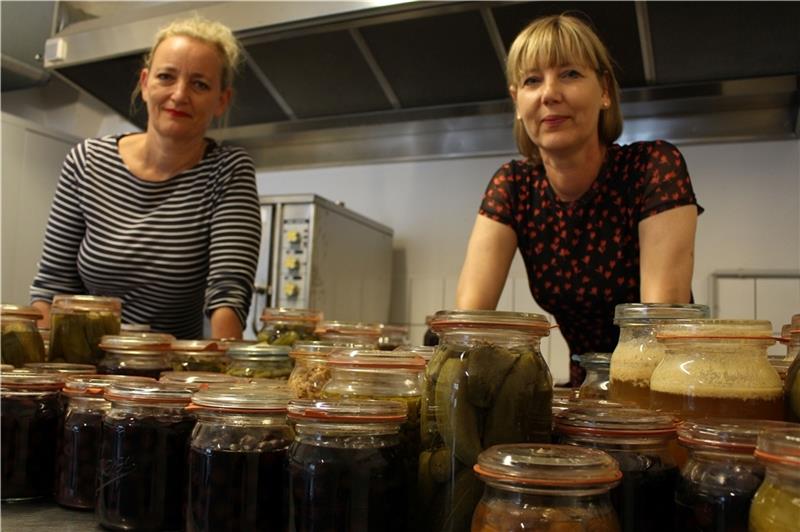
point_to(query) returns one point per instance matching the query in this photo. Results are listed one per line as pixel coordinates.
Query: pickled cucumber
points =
(487, 367)
(21, 344)
(456, 418)
(76, 337)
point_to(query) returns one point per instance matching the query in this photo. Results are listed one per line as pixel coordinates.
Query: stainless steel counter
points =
(44, 516)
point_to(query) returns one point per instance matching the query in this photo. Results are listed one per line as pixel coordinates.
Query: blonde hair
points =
(560, 40)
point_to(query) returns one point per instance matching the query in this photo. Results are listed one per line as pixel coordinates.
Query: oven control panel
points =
(293, 262)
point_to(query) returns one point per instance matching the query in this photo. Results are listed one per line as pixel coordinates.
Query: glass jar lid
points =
(153, 392)
(424, 351)
(242, 398)
(61, 367)
(197, 379)
(347, 411)
(203, 347)
(730, 435)
(547, 465)
(349, 329)
(594, 421)
(95, 385)
(259, 352)
(134, 328)
(17, 311)
(6, 367)
(291, 315)
(704, 329)
(780, 446)
(393, 332)
(374, 359)
(635, 313)
(595, 360)
(30, 381)
(138, 343)
(490, 319)
(86, 303)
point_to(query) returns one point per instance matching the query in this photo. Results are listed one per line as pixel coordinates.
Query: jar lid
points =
(547, 465)
(17, 311)
(629, 313)
(6, 367)
(780, 446)
(731, 435)
(153, 392)
(374, 359)
(348, 411)
(24, 380)
(86, 303)
(760, 330)
(242, 398)
(95, 385)
(259, 352)
(283, 314)
(594, 360)
(61, 367)
(196, 379)
(490, 319)
(343, 328)
(139, 342)
(393, 331)
(424, 351)
(594, 421)
(209, 347)
(134, 328)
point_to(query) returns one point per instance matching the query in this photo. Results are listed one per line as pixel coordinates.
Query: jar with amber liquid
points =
(717, 368)
(21, 341)
(638, 352)
(776, 505)
(77, 325)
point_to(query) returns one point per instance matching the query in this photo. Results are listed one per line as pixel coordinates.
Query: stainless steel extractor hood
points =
(343, 82)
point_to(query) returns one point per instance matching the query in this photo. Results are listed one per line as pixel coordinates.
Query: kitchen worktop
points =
(45, 516)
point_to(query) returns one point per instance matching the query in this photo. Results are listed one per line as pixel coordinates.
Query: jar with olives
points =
(486, 384)
(287, 326)
(776, 505)
(140, 355)
(21, 341)
(262, 361)
(198, 355)
(78, 323)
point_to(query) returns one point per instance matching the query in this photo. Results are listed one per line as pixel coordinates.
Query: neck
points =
(572, 174)
(166, 157)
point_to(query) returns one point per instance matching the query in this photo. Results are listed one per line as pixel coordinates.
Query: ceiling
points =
(335, 82)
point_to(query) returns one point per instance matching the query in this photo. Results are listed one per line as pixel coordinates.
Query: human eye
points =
(531, 80)
(164, 76)
(201, 85)
(571, 73)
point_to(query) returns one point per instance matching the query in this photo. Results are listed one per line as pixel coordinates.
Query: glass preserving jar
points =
(718, 482)
(639, 440)
(21, 341)
(310, 373)
(142, 479)
(791, 333)
(44, 332)
(287, 326)
(548, 488)
(78, 323)
(781, 367)
(135, 328)
(61, 367)
(78, 452)
(139, 355)
(430, 339)
(29, 414)
(791, 391)
(198, 380)
(6, 367)
(392, 337)
(345, 471)
(261, 361)
(717, 368)
(595, 385)
(342, 333)
(776, 505)
(237, 460)
(486, 384)
(198, 355)
(638, 352)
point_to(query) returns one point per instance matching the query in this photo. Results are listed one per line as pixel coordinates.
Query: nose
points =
(551, 89)
(180, 89)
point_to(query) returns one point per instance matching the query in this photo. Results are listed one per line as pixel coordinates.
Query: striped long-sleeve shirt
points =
(170, 250)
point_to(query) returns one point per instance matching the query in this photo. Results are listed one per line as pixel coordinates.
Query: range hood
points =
(344, 82)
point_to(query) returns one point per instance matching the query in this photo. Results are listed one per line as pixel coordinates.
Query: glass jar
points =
(638, 352)
(139, 355)
(29, 413)
(6, 367)
(287, 326)
(262, 361)
(237, 460)
(143, 479)
(781, 367)
(595, 385)
(719, 480)
(549, 488)
(345, 471)
(198, 355)
(392, 337)
(486, 384)
(791, 391)
(776, 505)
(135, 328)
(198, 380)
(640, 442)
(78, 452)
(310, 373)
(78, 323)
(791, 333)
(61, 367)
(342, 333)
(44, 332)
(21, 341)
(717, 368)
(430, 339)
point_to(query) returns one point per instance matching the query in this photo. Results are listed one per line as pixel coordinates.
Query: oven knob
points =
(291, 263)
(290, 289)
(293, 237)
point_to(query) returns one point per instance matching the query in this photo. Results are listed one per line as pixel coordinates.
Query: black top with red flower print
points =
(582, 257)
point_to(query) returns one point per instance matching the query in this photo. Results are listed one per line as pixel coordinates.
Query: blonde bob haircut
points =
(558, 40)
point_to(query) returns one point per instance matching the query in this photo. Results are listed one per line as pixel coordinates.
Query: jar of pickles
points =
(392, 337)
(198, 355)
(595, 385)
(78, 323)
(262, 361)
(140, 355)
(286, 326)
(21, 341)
(638, 352)
(548, 488)
(719, 480)
(198, 380)
(79, 442)
(343, 333)
(640, 442)
(237, 460)
(143, 476)
(486, 384)
(29, 413)
(345, 471)
(776, 505)
(717, 368)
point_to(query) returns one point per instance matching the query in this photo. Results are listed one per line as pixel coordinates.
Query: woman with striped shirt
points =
(167, 220)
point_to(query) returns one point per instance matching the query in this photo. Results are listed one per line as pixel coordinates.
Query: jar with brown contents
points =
(136, 354)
